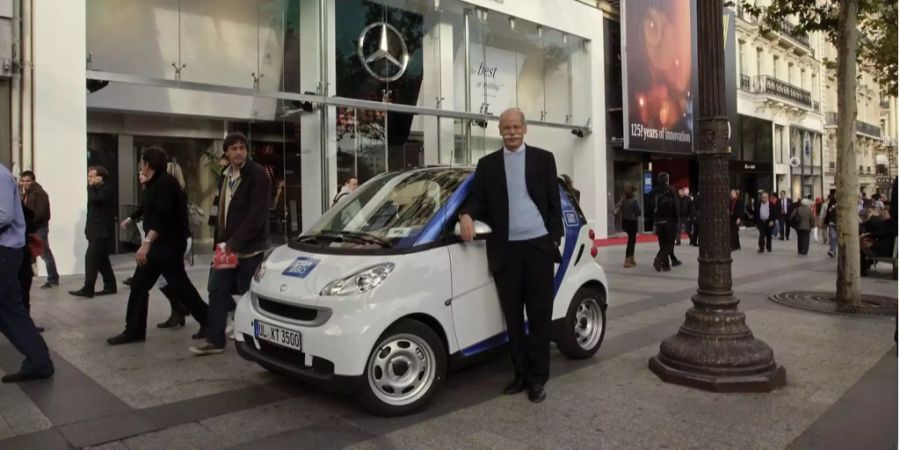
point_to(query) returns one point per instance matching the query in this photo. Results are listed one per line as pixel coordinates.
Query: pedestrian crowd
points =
(674, 212)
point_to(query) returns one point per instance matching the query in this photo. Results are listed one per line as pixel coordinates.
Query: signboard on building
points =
(494, 76)
(658, 75)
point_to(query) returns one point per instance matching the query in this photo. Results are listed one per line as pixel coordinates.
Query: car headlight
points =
(360, 282)
(260, 272)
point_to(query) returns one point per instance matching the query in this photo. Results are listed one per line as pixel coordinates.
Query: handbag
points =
(224, 258)
(617, 209)
(35, 245)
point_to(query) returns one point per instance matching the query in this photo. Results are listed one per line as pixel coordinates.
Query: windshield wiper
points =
(354, 236)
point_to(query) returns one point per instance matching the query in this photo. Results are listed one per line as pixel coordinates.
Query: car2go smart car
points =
(382, 294)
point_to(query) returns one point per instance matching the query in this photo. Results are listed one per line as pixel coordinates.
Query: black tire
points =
(404, 339)
(575, 346)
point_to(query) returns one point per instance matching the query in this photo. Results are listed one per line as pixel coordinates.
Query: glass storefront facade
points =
(324, 89)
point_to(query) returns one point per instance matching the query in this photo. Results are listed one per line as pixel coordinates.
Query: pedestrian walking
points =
(166, 230)
(736, 212)
(347, 188)
(665, 219)
(803, 220)
(99, 231)
(784, 206)
(242, 229)
(525, 215)
(831, 223)
(38, 201)
(685, 218)
(630, 211)
(15, 323)
(765, 216)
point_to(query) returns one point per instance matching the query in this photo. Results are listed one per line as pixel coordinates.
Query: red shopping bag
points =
(224, 258)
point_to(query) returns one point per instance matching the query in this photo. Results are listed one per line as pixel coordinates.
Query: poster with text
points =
(658, 75)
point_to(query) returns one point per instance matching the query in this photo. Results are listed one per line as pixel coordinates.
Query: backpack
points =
(664, 205)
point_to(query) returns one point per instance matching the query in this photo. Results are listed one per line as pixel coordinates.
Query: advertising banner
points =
(494, 75)
(658, 75)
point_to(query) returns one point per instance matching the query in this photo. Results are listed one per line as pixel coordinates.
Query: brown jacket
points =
(38, 201)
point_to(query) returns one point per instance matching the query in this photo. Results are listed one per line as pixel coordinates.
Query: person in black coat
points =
(242, 227)
(665, 207)
(765, 216)
(522, 180)
(161, 252)
(100, 232)
(736, 213)
(686, 215)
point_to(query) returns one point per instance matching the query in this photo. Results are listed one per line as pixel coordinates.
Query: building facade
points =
(324, 89)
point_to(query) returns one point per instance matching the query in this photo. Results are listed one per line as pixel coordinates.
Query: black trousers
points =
(665, 232)
(735, 236)
(684, 224)
(26, 276)
(15, 323)
(695, 231)
(163, 259)
(526, 279)
(784, 229)
(765, 236)
(222, 283)
(630, 227)
(802, 242)
(96, 259)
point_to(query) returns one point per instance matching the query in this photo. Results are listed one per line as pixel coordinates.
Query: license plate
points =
(277, 335)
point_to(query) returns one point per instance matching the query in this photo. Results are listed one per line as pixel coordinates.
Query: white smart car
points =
(381, 297)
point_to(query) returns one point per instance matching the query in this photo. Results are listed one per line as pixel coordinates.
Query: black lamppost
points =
(714, 349)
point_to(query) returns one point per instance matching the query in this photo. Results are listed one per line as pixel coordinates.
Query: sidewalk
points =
(841, 391)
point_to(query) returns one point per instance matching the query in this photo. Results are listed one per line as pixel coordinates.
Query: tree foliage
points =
(877, 21)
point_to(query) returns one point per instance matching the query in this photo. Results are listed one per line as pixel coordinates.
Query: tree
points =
(877, 47)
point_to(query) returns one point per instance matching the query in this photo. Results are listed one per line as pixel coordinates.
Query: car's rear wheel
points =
(405, 369)
(584, 326)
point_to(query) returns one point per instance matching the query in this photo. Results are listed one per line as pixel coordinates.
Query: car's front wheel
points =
(405, 369)
(584, 326)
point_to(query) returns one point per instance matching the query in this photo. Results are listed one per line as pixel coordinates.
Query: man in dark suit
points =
(785, 207)
(515, 190)
(736, 211)
(162, 251)
(99, 233)
(242, 226)
(765, 216)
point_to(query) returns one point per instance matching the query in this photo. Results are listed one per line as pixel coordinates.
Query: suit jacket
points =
(489, 202)
(247, 222)
(736, 210)
(774, 214)
(101, 212)
(785, 211)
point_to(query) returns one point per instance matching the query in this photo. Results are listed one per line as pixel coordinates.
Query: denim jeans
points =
(49, 261)
(832, 238)
(15, 323)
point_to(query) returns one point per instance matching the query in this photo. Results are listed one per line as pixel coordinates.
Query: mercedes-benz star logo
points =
(398, 62)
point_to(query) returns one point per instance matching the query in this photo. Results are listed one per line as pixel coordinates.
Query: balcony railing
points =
(790, 30)
(831, 119)
(773, 86)
(745, 82)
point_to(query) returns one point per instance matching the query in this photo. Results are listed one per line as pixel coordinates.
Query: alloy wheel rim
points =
(588, 323)
(402, 369)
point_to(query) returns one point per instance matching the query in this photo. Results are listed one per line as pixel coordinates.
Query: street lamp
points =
(714, 349)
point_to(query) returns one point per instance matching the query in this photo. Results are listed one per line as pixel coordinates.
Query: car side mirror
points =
(481, 229)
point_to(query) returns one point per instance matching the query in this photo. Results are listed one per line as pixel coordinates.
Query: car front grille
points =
(295, 312)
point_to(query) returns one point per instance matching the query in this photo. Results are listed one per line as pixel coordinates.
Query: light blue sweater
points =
(525, 221)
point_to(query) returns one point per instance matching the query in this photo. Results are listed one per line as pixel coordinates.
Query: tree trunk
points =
(846, 176)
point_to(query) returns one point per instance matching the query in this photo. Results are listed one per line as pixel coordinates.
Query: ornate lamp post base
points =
(714, 350)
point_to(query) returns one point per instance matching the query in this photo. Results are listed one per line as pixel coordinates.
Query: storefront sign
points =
(750, 167)
(658, 75)
(648, 182)
(494, 75)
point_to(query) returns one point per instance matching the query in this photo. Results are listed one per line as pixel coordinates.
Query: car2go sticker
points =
(301, 267)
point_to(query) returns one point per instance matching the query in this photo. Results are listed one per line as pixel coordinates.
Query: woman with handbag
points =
(630, 211)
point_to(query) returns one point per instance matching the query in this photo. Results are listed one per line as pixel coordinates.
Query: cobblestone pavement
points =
(841, 391)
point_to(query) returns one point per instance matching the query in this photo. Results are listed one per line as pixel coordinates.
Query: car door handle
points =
(448, 302)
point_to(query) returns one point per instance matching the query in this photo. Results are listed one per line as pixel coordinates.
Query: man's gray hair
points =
(514, 110)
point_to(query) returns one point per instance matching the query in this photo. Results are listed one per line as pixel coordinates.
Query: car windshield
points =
(388, 209)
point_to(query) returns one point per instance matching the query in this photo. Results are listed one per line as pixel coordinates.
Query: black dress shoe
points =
(123, 339)
(82, 293)
(19, 377)
(517, 385)
(49, 285)
(106, 291)
(536, 394)
(175, 320)
(200, 334)
(127, 281)
(676, 263)
(40, 329)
